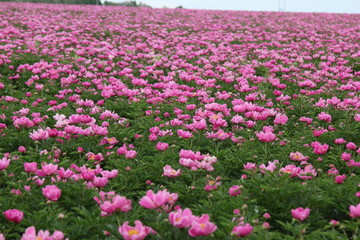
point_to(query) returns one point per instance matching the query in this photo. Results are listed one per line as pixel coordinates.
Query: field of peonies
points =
(134, 123)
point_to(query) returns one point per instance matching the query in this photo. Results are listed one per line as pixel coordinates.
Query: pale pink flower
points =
(130, 154)
(170, 172)
(4, 163)
(139, 232)
(298, 156)
(39, 134)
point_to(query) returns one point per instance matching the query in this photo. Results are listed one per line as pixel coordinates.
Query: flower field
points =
(134, 123)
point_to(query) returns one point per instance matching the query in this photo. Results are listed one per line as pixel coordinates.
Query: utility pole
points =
(282, 5)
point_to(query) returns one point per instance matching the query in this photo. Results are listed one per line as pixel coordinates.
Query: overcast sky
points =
(338, 6)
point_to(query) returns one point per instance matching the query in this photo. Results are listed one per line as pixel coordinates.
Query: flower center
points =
(133, 232)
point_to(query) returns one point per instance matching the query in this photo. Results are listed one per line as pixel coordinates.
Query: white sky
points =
(337, 6)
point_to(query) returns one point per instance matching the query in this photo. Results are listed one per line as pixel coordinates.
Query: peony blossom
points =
(51, 192)
(300, 213)
(139, 232)
(14, 215)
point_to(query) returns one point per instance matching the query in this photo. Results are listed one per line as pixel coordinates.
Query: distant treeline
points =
(89, 2)
(126, 3)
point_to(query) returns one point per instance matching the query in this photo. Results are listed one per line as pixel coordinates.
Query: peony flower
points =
(234, 190)
(170, 172)
(181, 218)
(51, 192)
(242, 230)
(14, 215)
(201, 226)
(354, 211)
(161, 199)
(300, 213)
(30, 234)
(162, 146)
(139, 232)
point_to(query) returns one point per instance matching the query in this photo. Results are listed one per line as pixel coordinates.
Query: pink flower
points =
(354, 211)
(242, 230)
(339, 179)
(334, 222)
(201, 226)
(280, 119)
(51, 192)
(14, 215)
(298, 156)
(184, 134)
(162, 199)
(4, 163)
(319, 148)
(30, 234)
(39, 134)
(181, 218)
(324, 117)
(234, 190)
(100, 181)
(170, 172)
(22, 149)
(117, 203)
(130, 154)
(300, 213)
(162, 146)
(139, 232)
(266, 136)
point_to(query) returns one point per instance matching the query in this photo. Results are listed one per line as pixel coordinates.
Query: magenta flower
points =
(234, 190)
(139, 232)
(51, 192)
(30, 234)
(242, 230)
(319, 148)
(161, 199)
(354, 211)
(300, 213)
(339, 179)
(14, 215)
(201, 226)
(162, 146)
(266, 136)
(181, 218)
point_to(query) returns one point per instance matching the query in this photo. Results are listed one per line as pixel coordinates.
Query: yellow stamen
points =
(133, 232)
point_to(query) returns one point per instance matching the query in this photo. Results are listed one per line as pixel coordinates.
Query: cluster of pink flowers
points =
(110, 202)
(198, 226)
(162, 200)
(196, 161)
